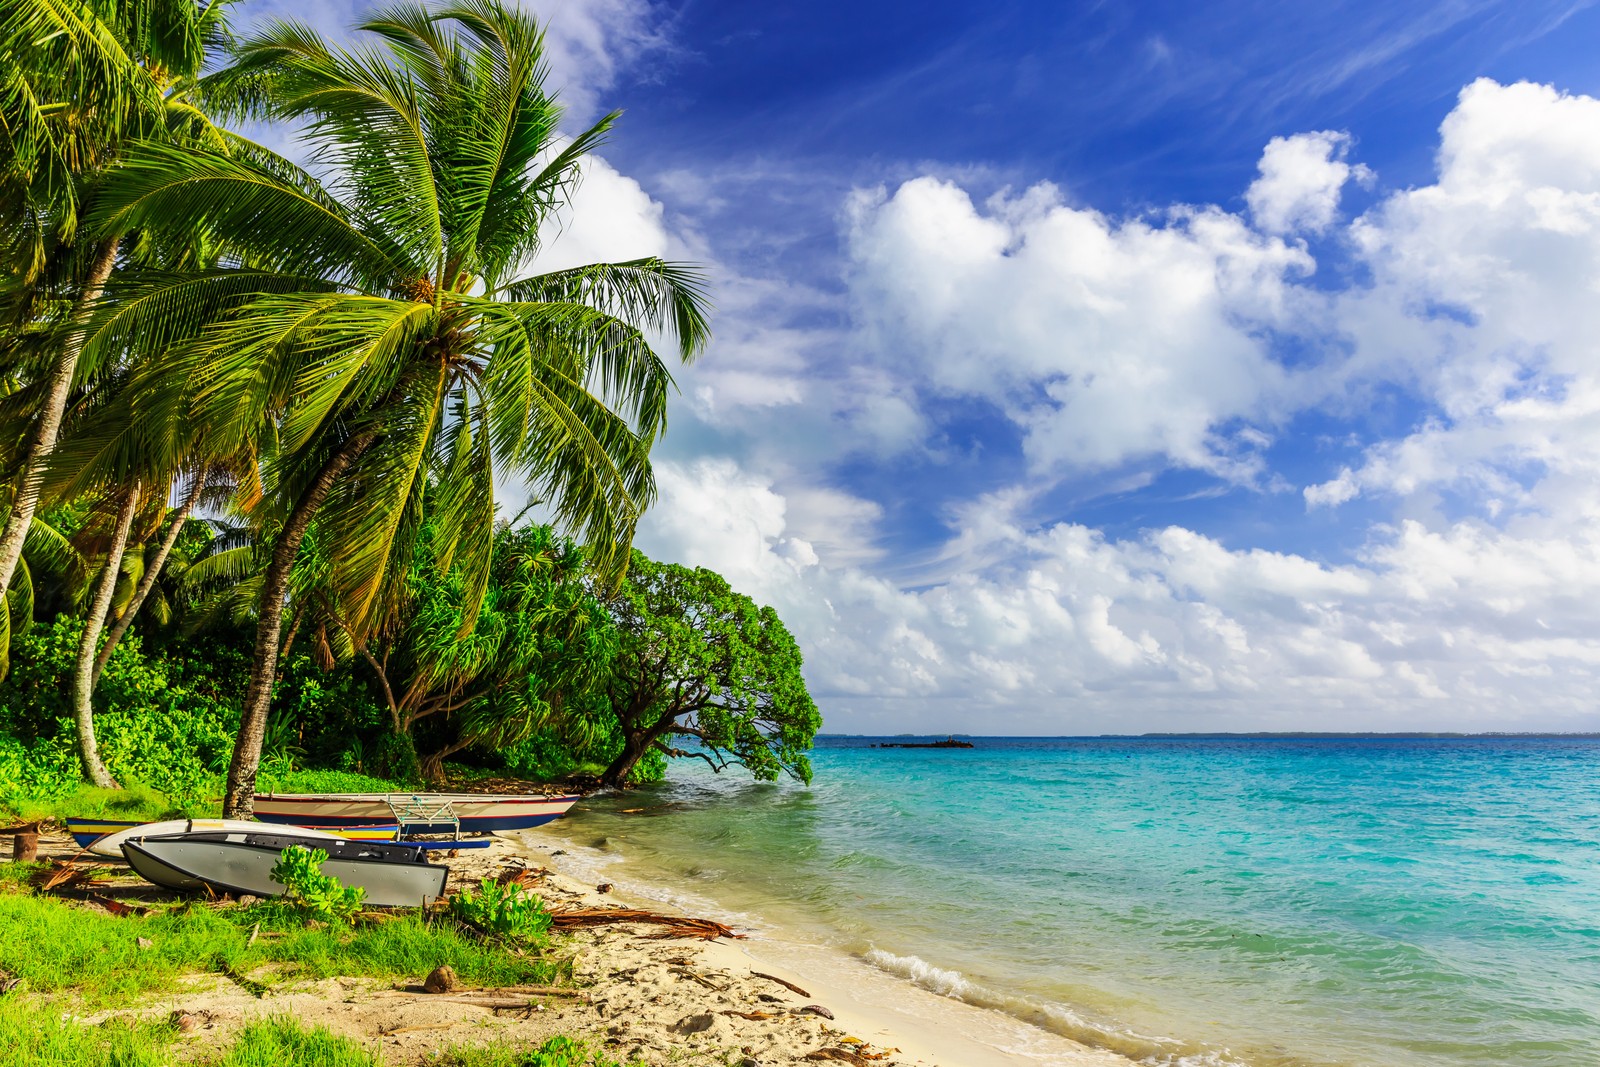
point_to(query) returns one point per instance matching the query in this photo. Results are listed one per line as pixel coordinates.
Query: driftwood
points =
(758, 1015)
(677, 925)
(843, 1055)
(516, 990)
(61, 875)
(786, 984)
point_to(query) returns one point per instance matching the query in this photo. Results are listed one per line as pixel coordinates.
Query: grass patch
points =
(556, 1052)
(280, 1042)
(326, 782)
(32, 1035)
(134, 804)
(57, 947)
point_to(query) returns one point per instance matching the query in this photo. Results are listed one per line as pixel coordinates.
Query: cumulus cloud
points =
(1496, 266)
(1170, 630)
(1104, 340)
(1301, 180)
(1108, 339)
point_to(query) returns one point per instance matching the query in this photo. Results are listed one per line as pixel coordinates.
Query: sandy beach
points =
(642, 996)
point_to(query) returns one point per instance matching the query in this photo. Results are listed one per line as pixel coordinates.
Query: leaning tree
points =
(705, 667)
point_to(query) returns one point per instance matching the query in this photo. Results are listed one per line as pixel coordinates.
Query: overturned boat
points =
(241, 862)
(416, 813)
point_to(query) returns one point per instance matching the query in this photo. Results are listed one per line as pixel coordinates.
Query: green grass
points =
(326, 782)
(37, 1036)
(136, 804)
(58, 947)
(33, 1035)
(141, 804)
(556, 1052)
(280, 1042)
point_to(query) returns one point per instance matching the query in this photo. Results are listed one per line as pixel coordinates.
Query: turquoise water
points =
(1259, 902)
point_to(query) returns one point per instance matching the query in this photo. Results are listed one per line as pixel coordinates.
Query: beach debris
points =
(757, 1016)
(603, 887)
(559, 852)
(255, 932)
(8, 981)
(693, 1024)
(516, 990)
(144, 943)
(185, 1021)
(632, 811)
(843, 1055)
(677, 925)
(116, 907)
(61, 874)
(441, 979)
(247, 899)
(783, 982)
(521, 875)
(687, 973)
(814, 1009)
(416, 1029)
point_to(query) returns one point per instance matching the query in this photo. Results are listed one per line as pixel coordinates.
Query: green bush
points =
(320, 896)
(508, 911)
(151, 731)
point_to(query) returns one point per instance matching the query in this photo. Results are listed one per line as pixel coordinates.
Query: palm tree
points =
(377, 335)
(78, 80)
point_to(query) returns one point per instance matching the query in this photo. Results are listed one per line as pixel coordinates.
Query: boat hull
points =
(87, 831)
(419, 814)
(395, 876)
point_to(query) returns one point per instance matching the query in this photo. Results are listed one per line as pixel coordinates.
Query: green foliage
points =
(324, 781)
(152, 731)
(509, 911)
(135, 804)
(320, 896)
(41, 1035)
(282, 1042)
(705, 664)
(57, 947)
(558, 1051)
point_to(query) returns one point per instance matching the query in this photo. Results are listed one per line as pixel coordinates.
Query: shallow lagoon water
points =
(1393, 903)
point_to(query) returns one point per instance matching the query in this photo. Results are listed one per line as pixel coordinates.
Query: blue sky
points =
(1118, 367)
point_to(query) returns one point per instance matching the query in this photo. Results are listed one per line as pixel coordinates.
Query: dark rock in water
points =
(949, 742)
(440, 980)
(603, 887)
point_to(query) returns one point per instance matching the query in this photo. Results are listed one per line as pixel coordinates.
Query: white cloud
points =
(1301, 180)
(1106, 341)
(1460, 628)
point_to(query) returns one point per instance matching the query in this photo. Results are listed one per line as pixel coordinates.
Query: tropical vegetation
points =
(258, 417)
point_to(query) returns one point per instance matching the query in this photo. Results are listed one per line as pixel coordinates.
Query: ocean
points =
(1186, 902)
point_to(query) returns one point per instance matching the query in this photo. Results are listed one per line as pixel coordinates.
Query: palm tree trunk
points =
(148, 582)
(239, 801)
(83, 672)
(48, 427)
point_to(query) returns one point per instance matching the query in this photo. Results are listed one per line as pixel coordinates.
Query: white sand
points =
(644, 998)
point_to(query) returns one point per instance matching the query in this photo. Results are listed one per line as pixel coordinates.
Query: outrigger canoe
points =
(239, 863)
(87, 831)
(416, 813)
